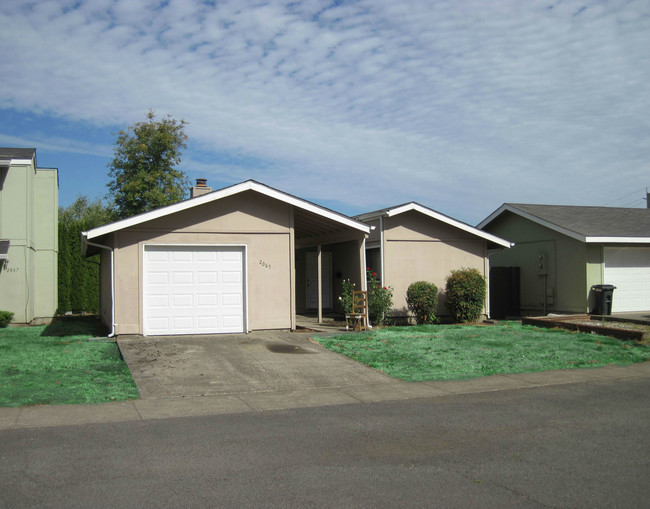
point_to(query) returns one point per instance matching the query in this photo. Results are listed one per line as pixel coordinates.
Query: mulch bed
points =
(585, 323)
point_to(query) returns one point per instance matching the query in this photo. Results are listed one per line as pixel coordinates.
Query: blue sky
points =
(459, 105)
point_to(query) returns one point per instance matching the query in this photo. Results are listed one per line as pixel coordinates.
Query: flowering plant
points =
(345, 299)
(380, 298)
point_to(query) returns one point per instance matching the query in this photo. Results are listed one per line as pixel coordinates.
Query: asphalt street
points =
(574, 445)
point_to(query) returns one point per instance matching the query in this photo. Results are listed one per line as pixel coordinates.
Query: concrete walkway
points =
(360, 388)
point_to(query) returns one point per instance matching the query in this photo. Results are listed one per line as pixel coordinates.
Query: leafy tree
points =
(143, 174)
(79, 277)
(82, 210)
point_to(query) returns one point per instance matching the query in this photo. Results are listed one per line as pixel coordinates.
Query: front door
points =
(312, 279)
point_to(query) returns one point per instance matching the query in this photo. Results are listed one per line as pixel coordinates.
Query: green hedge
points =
(78, 276)
(465, 291)
(422, 301)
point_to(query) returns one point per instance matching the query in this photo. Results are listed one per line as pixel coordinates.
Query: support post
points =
(320, 283)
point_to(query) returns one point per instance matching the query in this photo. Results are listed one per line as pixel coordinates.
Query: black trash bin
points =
(604, 296)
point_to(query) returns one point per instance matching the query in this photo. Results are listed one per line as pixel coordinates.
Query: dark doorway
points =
(504, 292)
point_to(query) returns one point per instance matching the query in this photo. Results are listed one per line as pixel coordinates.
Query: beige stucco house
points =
(247, 257)
(28, 237)
(411, 242)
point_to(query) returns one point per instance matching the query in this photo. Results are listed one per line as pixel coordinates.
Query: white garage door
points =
(193, 290)
(628, 268)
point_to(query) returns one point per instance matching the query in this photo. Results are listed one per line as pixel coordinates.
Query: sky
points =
(355, 105)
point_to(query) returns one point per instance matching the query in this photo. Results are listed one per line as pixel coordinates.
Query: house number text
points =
(264, 264)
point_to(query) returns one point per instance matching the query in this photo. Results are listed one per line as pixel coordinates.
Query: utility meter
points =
(542, 266)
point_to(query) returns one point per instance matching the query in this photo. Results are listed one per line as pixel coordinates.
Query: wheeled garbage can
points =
(604, 296)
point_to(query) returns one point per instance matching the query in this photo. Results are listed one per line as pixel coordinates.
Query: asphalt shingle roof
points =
(593, 221)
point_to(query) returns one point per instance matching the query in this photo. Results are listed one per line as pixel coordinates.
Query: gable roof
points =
(406, 207)
(586, 224)
(249, 185)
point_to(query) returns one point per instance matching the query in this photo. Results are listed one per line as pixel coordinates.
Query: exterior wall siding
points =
(29, 218)
(262, 225)
(419, 248)
(568, 271)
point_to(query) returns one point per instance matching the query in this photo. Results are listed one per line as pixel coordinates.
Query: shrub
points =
(465, 295)
(422, 301)
(5, 318)
(380, 299)
(345, 299)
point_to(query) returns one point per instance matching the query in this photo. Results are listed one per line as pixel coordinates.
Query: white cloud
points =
(458, 105)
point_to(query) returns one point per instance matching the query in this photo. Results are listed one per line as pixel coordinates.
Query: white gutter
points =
(86, 241)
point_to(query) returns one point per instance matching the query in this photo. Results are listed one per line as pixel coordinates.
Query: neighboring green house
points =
(28, 232)
(560, 252)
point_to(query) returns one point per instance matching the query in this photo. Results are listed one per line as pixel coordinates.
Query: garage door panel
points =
(231, 300)
(159, 301)
(208, 300)
(158, 278)
(628, 269)
(180, 300)
(195, 288)
(207, 278)
(231, 277)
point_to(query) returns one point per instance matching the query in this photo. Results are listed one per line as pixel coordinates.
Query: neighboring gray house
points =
(29, 236)
(561, 251)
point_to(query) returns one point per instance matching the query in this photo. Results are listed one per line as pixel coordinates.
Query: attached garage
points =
(628, 268)
(219, 262)
(582, 247)
(193, 290)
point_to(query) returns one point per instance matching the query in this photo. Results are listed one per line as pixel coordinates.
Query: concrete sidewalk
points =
(163, 408)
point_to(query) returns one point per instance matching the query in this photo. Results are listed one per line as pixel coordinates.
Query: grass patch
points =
(452, 352)
(56, 364)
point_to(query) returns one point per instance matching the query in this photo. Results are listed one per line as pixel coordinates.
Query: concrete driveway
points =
(262, 361)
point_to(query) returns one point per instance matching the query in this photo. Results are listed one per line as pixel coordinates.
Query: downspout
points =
(110, 249)
(381, 250)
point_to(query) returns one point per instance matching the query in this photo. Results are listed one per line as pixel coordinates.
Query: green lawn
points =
(56, 364)
(451, 352)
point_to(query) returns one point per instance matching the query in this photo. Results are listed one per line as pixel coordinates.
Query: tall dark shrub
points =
(465, 291)
(422, 301)
(78, 277)
(64, 268)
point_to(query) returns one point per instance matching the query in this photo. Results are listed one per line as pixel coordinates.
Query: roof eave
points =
(617, 240)
(224, 193)
(526, 215)
(400, 209)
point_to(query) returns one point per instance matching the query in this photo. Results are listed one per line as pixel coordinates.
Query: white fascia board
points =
(310, 207)
(450, 221)
(21, 161)
(618, 240)
(534, 219)
(249, 185)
